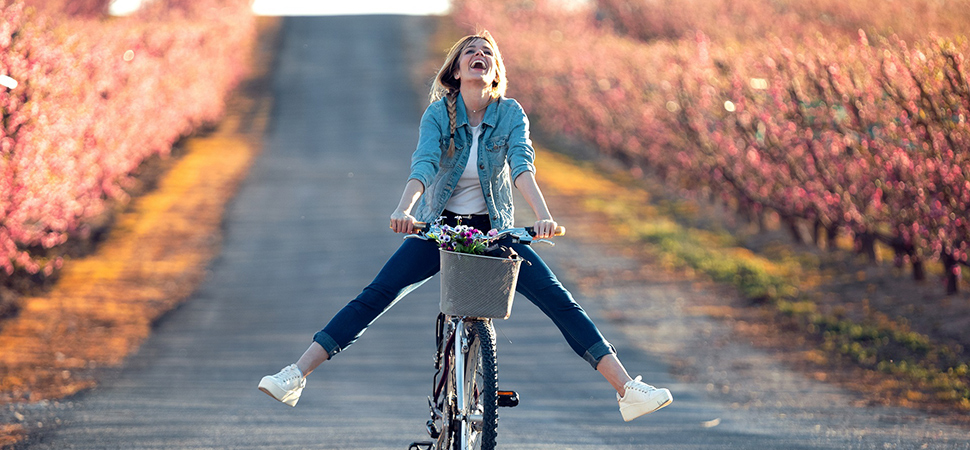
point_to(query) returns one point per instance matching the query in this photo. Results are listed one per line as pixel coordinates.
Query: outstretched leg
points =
(414, 263)
(540, 286)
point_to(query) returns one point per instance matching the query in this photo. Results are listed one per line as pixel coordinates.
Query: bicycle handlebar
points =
(560, 230)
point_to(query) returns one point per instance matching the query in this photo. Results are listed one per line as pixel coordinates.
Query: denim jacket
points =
(504, 152)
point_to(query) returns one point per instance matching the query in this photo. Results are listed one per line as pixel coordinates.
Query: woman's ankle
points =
(312, 358)
(614, 372)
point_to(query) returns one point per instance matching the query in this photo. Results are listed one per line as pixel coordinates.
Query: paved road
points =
(307, 231)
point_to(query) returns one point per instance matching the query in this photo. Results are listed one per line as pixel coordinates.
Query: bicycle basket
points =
(478, 286)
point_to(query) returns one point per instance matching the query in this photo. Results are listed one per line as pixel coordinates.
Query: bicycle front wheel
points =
(479, 428)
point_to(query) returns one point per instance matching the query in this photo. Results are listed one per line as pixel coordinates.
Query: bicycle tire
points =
(481, 388)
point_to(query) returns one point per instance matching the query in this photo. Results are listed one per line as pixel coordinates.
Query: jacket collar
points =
(491, 113)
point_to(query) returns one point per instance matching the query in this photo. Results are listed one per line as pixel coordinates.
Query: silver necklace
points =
(483, 107)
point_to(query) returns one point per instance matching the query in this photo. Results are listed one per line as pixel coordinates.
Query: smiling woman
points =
(318, 8)
(473, 146)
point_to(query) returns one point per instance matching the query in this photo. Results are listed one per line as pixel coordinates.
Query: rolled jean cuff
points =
(327, 343)
(595, 353)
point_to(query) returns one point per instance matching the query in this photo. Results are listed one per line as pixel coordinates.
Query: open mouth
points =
(479, 64)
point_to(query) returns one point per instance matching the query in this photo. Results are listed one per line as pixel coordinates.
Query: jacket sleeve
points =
(521, 154)
(426, 159)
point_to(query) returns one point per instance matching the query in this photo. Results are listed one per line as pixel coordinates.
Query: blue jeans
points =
(417, 260)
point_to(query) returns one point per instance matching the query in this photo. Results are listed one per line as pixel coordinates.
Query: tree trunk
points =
(796, 234)
(817, 232)
(867, 245)
(831, 234)
(951, 269)
(918, 273)
(898, 252)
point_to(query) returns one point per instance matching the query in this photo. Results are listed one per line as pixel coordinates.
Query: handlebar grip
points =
(421, 226)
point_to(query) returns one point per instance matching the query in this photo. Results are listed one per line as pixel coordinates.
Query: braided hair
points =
(451, 100)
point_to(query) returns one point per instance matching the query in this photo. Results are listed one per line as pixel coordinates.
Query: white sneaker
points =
(641, 398)
(286, 386)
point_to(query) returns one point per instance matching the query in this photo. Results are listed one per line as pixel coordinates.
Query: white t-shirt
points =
(468, 197)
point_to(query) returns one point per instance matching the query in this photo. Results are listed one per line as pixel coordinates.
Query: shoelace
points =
(290, 375)
(638, 385)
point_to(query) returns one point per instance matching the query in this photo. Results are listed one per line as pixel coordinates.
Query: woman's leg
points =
(414, 263)
(543, 289)
(540, 286)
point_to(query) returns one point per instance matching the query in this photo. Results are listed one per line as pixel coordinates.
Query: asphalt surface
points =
(308, 230)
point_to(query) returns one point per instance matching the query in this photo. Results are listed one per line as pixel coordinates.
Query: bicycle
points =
(465, 396)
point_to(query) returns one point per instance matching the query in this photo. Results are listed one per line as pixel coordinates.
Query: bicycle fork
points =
(461, 418)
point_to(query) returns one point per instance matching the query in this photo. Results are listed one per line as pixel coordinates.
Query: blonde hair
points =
(446, 86)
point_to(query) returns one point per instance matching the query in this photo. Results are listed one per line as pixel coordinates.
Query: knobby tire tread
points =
(489, 391)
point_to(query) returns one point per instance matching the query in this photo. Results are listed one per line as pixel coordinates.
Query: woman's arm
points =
(424, 165)
(545, 226)
(401, 219)
(426, 159)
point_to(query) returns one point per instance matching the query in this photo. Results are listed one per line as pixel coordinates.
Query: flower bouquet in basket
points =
(461, 238)
(466, 239)
(478, 276)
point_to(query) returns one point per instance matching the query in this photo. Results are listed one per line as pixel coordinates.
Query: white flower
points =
(8, 82)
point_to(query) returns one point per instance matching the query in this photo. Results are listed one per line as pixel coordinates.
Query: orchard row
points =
(744, 21)
(87, 98)
(866, 138)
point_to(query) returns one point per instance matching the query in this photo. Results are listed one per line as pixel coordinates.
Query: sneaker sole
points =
(633, 411)
(283, 396)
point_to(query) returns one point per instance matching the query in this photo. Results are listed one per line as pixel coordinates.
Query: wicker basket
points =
(478, 286)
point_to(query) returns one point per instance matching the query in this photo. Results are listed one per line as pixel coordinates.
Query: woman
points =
(473, 147)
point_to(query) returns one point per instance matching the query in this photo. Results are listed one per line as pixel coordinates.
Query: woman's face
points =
(476, 63)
